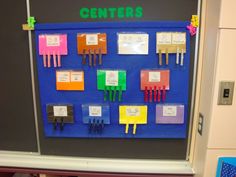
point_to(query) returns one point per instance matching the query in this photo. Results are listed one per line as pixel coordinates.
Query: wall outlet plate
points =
(200, 123)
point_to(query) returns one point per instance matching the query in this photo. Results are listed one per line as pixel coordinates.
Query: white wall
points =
(218, 63)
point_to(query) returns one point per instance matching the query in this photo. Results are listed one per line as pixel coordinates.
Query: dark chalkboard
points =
(17, 126)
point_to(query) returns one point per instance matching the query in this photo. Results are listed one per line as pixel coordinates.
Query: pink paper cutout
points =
(45, 49)
(192, 29)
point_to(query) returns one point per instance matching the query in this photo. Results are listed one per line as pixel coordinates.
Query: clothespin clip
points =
(84, 57)
(114, 94)
(101, 126)
(159, 94)
(160, 57)
(146, 94)
(150, 94)
(182, 58)
(120, 94)
(105, 93)
(167, 56)
(55, 124)
(110, 93)
(90, 58)
(30, 24)
(134, 128)
(127, 128)
(60, 122)
(177, 56)
(164, 94)
(100, 56)
(94, 58)
(155, 94)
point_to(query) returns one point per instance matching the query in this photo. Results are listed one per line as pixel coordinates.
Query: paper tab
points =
(63, 76)
(112, 78)
(95, 111)
(163, 38)
(154, 76)
(91, 39)
(53, 40)
(178, 38)
(76, 76)
(133, 111)
(133, 43)
(60, 111)
(169, 111)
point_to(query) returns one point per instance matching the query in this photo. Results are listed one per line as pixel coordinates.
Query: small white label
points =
(154, 76)
(60, 111)
(133, 111)
(111, 78)
(95, 111)
(53, 40)
(63, 76)
(76, 76)
(178, 38)
(169, 111)
(133, 43)
(91, 39)
(163, 38)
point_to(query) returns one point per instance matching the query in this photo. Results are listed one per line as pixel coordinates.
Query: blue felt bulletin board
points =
(179, 79)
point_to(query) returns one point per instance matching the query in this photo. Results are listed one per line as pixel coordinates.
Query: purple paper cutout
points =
(178, 119)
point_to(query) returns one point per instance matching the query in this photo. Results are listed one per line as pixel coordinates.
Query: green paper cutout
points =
(31, 22)
(101, 84)
(101, 79)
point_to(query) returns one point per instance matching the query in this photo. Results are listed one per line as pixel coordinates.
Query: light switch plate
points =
(226, 92)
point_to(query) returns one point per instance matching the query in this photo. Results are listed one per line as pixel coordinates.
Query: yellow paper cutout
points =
(195, 21)
(132, 115)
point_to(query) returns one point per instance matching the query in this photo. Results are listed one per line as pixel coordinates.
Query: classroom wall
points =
(218, 63)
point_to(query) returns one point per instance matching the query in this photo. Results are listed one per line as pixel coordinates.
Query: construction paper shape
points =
(93, 42)
(132, 114)
(133, 43)
(70, 80)
(53, 44)
(170, 114)
(111, 78)
(152, 78)
(96, 111)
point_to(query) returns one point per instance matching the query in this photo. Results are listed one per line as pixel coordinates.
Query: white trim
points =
(33, 79)
(31, 160)
(194, 84)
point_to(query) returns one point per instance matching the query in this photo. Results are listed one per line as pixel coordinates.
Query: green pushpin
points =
(31, 21)
(111, 81)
